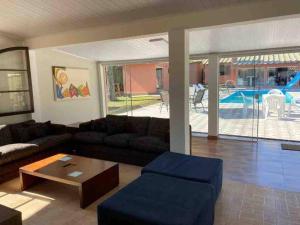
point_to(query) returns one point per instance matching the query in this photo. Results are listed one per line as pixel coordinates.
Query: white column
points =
(213, 96)
(102, 91)
(179, 91)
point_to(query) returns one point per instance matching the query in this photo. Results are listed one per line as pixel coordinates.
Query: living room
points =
(103, 121)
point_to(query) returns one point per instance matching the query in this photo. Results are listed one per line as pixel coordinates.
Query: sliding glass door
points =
(259, 96)
(239, 108)
(138, 89)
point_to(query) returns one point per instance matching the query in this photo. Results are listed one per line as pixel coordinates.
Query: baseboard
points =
(209, 137)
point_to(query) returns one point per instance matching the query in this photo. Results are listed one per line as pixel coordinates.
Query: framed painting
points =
(71, 83)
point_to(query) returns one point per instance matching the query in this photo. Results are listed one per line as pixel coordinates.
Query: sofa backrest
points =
(116, 124)
(138, 125)
(159, 127)
(17, 132)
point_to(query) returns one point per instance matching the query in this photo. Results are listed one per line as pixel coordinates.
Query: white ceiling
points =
(264, 35)
(31, 18)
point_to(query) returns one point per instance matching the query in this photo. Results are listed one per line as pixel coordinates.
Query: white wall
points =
(64, 112)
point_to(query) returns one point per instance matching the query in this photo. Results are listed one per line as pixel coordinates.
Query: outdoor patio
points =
(233, 121)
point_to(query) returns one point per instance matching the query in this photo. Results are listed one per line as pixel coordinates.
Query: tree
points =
(110, 76)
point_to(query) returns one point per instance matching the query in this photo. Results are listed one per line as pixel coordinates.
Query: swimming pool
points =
(236, 97)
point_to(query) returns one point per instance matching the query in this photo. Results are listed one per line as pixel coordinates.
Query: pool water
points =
(236, 97)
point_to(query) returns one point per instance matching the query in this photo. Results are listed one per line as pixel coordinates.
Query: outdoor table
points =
(295, 96)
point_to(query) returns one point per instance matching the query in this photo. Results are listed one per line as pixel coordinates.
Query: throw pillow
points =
(99, 125)
(159, 127)
(39, 130)
(22, 134)
(16, 129)
(116, 124)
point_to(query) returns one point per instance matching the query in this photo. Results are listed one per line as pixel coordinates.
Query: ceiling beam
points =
(240, 13)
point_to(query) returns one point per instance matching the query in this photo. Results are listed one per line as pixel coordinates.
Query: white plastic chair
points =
(274, 103)
(247, 101)
(275, 92)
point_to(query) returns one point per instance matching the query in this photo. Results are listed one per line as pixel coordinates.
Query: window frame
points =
(28, 71)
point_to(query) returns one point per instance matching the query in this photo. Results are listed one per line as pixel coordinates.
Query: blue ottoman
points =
(155, 199)
(205, 170)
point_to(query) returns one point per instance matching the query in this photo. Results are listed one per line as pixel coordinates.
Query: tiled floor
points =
(251, 193)
(262, 163)
(234, 121)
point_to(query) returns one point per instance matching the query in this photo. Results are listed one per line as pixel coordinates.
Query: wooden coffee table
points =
(96, 179)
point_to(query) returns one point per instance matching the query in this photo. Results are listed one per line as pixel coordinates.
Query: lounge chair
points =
(198, 98)
(165, 100)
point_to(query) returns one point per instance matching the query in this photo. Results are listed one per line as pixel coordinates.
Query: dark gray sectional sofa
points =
(26, 142)
(133, 140)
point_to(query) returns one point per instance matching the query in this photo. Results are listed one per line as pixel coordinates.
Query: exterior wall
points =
(265, 68)
(143, 77)
(234, 71)
(166, 75)
(140, 79)
(195, 73)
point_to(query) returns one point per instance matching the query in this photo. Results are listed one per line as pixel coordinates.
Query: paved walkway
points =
(233, 121)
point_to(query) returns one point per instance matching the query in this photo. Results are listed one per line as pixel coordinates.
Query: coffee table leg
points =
(28, 180)
(98, 186)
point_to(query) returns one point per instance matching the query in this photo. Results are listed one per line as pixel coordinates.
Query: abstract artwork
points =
(71, 83)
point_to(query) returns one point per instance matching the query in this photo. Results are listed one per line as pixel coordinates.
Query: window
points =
(224, 69)
(15, 82)
(280, 76)
(250, 77)
(159, 77)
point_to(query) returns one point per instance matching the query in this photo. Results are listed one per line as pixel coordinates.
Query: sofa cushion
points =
(5, 135)
(154, 199)
(17, 132)
(99, 125)
(116, 124)
(159, 127)
(51, 141)
(90, 137)
(119, 140)
(40, 130)
(149, 144)
(201, 169)
(86, 126)
(137, 125)
(17, 151)
(34, 131)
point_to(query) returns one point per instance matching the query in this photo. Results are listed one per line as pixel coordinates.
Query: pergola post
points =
(213, 96)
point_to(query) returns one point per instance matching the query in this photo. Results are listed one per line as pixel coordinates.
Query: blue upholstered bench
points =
(155, 199)
(205, 170)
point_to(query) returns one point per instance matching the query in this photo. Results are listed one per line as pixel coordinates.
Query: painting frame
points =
(71, 83)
